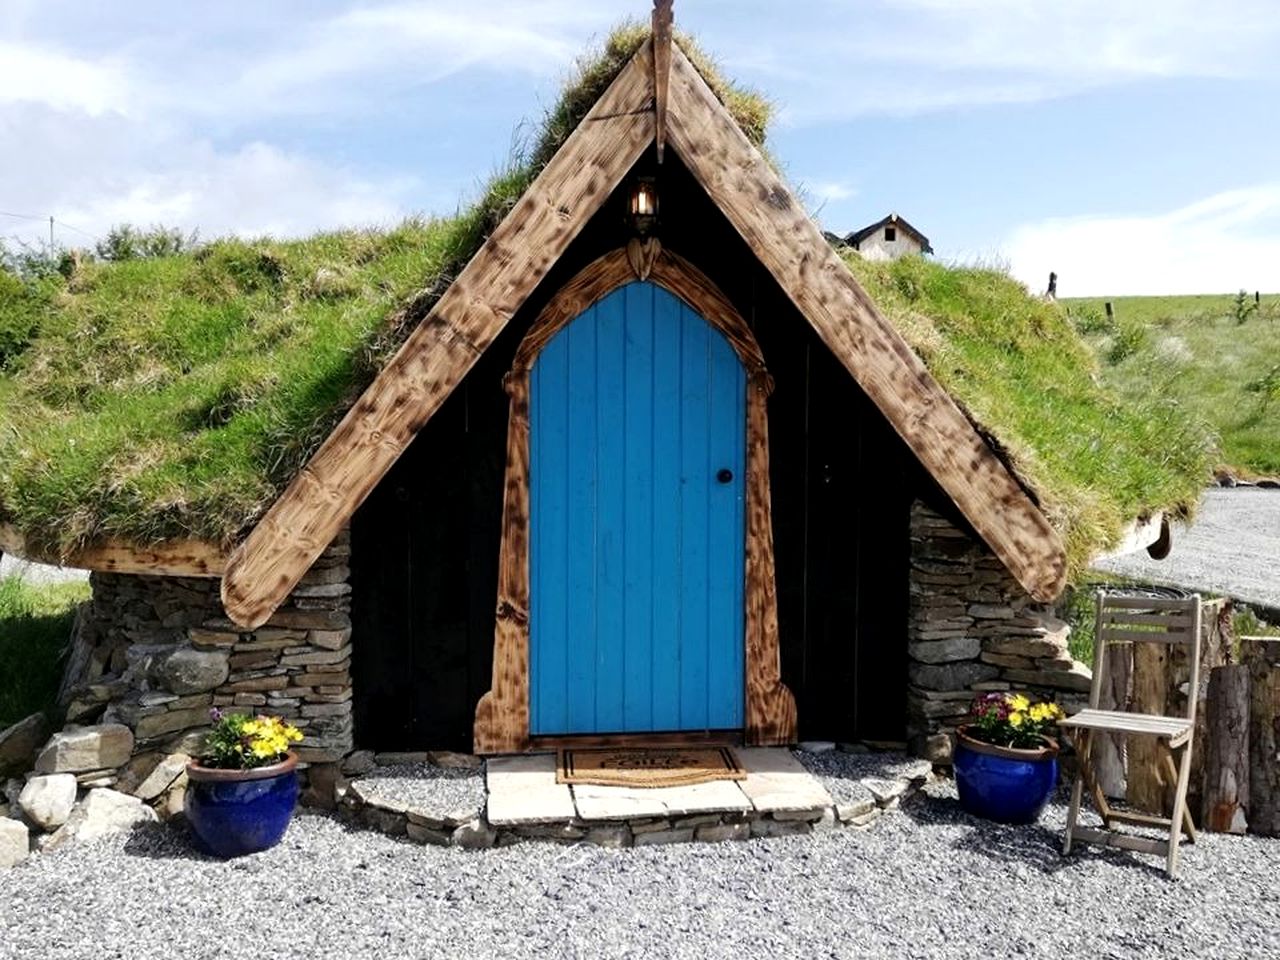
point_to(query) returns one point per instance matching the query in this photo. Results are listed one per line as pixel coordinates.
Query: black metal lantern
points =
(642, 205)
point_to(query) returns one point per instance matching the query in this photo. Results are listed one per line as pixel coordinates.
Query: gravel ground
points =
(1230, 549)
(925, 881)
(441, 791)
(842, 773)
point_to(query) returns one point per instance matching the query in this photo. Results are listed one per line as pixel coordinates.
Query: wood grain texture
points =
(783, 237)
(1262, 654)
(1226, 762)
(771, 709)
(502, 716)
(444, 346)
(177, 558)
(663, 22)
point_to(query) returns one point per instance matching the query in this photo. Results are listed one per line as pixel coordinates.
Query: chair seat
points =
(1177, 730)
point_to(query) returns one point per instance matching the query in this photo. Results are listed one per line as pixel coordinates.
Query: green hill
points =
(1218, 356)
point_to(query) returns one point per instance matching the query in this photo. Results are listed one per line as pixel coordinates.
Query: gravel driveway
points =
(925, 881)
(1232, 548)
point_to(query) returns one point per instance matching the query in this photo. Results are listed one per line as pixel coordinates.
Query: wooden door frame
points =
(502, 715)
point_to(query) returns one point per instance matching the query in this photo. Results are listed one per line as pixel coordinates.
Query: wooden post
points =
(1226, 760)
(1052, 292)
(1109, 748)
(1111, 314)
(1262, 657)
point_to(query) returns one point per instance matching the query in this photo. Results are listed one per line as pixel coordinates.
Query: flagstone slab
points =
(623, 803)
(523, 790)
(777, 781)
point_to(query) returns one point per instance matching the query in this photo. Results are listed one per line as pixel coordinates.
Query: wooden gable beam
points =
(663, 27)
(784, 238)
(177, 558)
(437, 355)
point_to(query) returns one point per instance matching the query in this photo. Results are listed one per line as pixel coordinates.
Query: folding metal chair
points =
(1128, 620)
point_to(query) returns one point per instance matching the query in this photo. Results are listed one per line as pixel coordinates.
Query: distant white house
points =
(888, 239)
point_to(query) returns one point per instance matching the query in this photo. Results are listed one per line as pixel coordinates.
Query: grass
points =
(35, 625)
(175, 396)
(1095, 459)
(1195, 352)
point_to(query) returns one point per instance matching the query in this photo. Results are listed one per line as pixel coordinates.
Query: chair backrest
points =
(1122, 619)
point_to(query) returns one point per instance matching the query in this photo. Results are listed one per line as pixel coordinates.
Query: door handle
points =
(725, 475)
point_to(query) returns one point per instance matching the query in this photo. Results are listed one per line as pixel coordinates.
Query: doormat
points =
(648, 767)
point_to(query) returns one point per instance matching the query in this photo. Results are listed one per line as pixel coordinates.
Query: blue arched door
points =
(637, 463)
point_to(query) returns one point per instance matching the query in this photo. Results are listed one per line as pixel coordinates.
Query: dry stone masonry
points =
(156, 654)
(151, 658)
(973, 629)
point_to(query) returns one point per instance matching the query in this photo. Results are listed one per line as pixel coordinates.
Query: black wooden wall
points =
(425, 544)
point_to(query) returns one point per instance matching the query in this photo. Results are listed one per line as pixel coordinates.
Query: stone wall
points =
(156, 654)
(973, 629)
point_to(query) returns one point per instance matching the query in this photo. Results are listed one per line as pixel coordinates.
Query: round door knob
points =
(725, 475)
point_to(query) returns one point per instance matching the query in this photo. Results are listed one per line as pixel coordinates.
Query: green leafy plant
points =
(1012, 720)
(1243, 307)
(240, 742)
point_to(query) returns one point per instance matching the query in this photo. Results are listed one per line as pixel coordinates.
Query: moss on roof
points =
(176, 396)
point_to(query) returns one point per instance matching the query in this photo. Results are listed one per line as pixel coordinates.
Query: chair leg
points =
(1188, 824)
(1083, 743)
(1179, 809)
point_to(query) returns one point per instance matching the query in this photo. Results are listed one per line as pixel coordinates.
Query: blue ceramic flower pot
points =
(234, 812)
(1003, 783)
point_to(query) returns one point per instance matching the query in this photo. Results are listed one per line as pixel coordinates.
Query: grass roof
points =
(175, 396)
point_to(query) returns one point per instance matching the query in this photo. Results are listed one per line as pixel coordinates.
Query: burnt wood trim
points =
(502, 716)
(663, 22)
(174, 558)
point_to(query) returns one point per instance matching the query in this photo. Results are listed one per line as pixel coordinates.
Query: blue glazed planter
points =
(234, 812)
(1003, 783)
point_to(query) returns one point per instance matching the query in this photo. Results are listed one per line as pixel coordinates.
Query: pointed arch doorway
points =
(636, 592)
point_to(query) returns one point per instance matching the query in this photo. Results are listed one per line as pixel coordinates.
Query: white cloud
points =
(34, 74)
(1222, 243)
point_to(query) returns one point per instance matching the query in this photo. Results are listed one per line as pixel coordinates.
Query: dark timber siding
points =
(425, 544)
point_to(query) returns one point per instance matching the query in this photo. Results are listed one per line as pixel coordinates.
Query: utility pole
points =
(51, 234)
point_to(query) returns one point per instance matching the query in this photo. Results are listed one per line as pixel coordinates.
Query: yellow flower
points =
(1016, 718)
(1019, 702)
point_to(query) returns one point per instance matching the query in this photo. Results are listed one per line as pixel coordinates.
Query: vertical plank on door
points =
(669, 500)
(640, 433)
(611, 512)
(580, 649)
(549, 444)
(726, 400)
(695, 520)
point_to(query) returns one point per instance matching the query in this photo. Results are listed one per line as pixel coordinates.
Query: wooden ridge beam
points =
(783, 237)
(176, 558)
(444, 346)
(663, 28)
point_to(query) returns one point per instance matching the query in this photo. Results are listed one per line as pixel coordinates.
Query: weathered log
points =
(1109, 748)
(1226, 758)
(1262, 657)
(1148, 786)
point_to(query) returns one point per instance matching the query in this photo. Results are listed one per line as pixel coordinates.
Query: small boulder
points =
(167, 771)
(19, 743)
(47, 800)
(15, 842)
(102, 747)
(188, 670)
(103, 812)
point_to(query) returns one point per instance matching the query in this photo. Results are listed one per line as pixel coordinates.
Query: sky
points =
(1132, 147)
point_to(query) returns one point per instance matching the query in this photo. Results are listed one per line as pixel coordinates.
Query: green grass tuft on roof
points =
(1015, 363)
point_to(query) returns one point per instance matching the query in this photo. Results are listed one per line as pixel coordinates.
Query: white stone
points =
(885, 791)
(15, 842)
(163, 776)
(102, 747)
(524, 790)
(625, 803)
(776, 780)
(817, 746)
(47, 800)
(102, 813)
